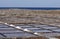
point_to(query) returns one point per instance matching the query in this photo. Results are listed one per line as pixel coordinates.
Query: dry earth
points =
(51, 17)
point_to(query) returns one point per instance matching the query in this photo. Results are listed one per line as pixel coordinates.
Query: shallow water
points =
(47, 30)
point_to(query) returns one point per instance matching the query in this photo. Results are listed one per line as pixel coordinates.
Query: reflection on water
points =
(45, 29)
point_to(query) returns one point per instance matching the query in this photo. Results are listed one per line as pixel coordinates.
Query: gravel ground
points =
(51, 17)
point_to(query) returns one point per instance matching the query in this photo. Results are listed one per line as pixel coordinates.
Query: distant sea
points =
(32, 8)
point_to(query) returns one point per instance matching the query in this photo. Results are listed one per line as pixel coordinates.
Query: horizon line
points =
(33, 8)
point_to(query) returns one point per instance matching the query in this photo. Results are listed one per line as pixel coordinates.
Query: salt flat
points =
(19, 16)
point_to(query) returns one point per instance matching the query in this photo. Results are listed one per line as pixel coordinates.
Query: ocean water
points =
(32, 8)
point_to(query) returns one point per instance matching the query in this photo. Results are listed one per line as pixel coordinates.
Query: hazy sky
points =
(29, 3)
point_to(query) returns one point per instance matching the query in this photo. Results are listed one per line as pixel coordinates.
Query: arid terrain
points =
(50, 17)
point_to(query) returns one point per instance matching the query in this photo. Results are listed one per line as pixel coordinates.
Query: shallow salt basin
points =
(49, 31)
(1, 36)
(49, 27)
(57, 30)
(19, 35)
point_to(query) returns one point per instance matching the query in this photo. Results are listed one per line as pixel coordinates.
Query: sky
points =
(29, 3)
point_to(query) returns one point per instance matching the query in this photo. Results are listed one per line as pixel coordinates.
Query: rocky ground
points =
(50, 17)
